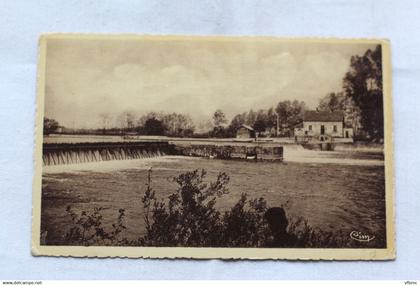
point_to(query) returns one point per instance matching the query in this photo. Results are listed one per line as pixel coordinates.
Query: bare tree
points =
(105, 119)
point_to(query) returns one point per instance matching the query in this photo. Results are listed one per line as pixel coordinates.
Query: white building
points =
(320, 124)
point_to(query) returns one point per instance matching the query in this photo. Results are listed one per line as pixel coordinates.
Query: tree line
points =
(271, 122)
(152, 123)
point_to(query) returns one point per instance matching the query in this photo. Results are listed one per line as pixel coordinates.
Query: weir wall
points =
(70, 153)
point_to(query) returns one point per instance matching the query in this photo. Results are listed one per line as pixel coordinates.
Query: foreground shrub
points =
(244, 224)
(88, 229)
(189, 217)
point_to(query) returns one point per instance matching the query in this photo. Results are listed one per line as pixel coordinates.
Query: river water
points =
(338, 191)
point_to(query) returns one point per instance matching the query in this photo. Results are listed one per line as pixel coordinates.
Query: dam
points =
(73, 153)
(70, 153)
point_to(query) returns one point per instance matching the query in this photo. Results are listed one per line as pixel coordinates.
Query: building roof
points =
(247, 127)
(316, 116)
(297, 126)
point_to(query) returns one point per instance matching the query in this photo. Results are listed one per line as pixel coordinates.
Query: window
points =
(310, 127)
(335, 128)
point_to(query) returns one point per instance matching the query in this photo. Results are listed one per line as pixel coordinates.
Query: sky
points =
(86, 78)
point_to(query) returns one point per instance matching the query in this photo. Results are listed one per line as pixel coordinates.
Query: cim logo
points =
(359, 236)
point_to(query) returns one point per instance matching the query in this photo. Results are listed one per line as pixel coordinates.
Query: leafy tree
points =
(290, 114)
(271, 118)
(151, 115)
(333, 102)
(219, 121)
(298, 108)
(50, 126)
(251, 117)
(363, 83)
(219, 118)
(237, 122)
(260, 125)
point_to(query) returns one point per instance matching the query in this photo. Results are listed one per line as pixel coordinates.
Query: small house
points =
(245, 132)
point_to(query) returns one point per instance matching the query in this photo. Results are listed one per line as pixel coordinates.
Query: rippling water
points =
(334, 191)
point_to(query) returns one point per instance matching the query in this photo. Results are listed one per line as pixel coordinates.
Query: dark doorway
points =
(347, 134)
(322, 129)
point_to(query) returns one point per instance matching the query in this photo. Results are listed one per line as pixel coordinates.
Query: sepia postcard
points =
(213, 147)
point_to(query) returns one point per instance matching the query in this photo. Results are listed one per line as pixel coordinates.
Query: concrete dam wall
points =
(71, 153)
(62, 153)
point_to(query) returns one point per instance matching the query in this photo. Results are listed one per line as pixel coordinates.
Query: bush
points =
(244, 224)
(190, 219)
(88, 229)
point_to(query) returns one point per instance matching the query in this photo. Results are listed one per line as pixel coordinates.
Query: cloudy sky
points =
(89, 77)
